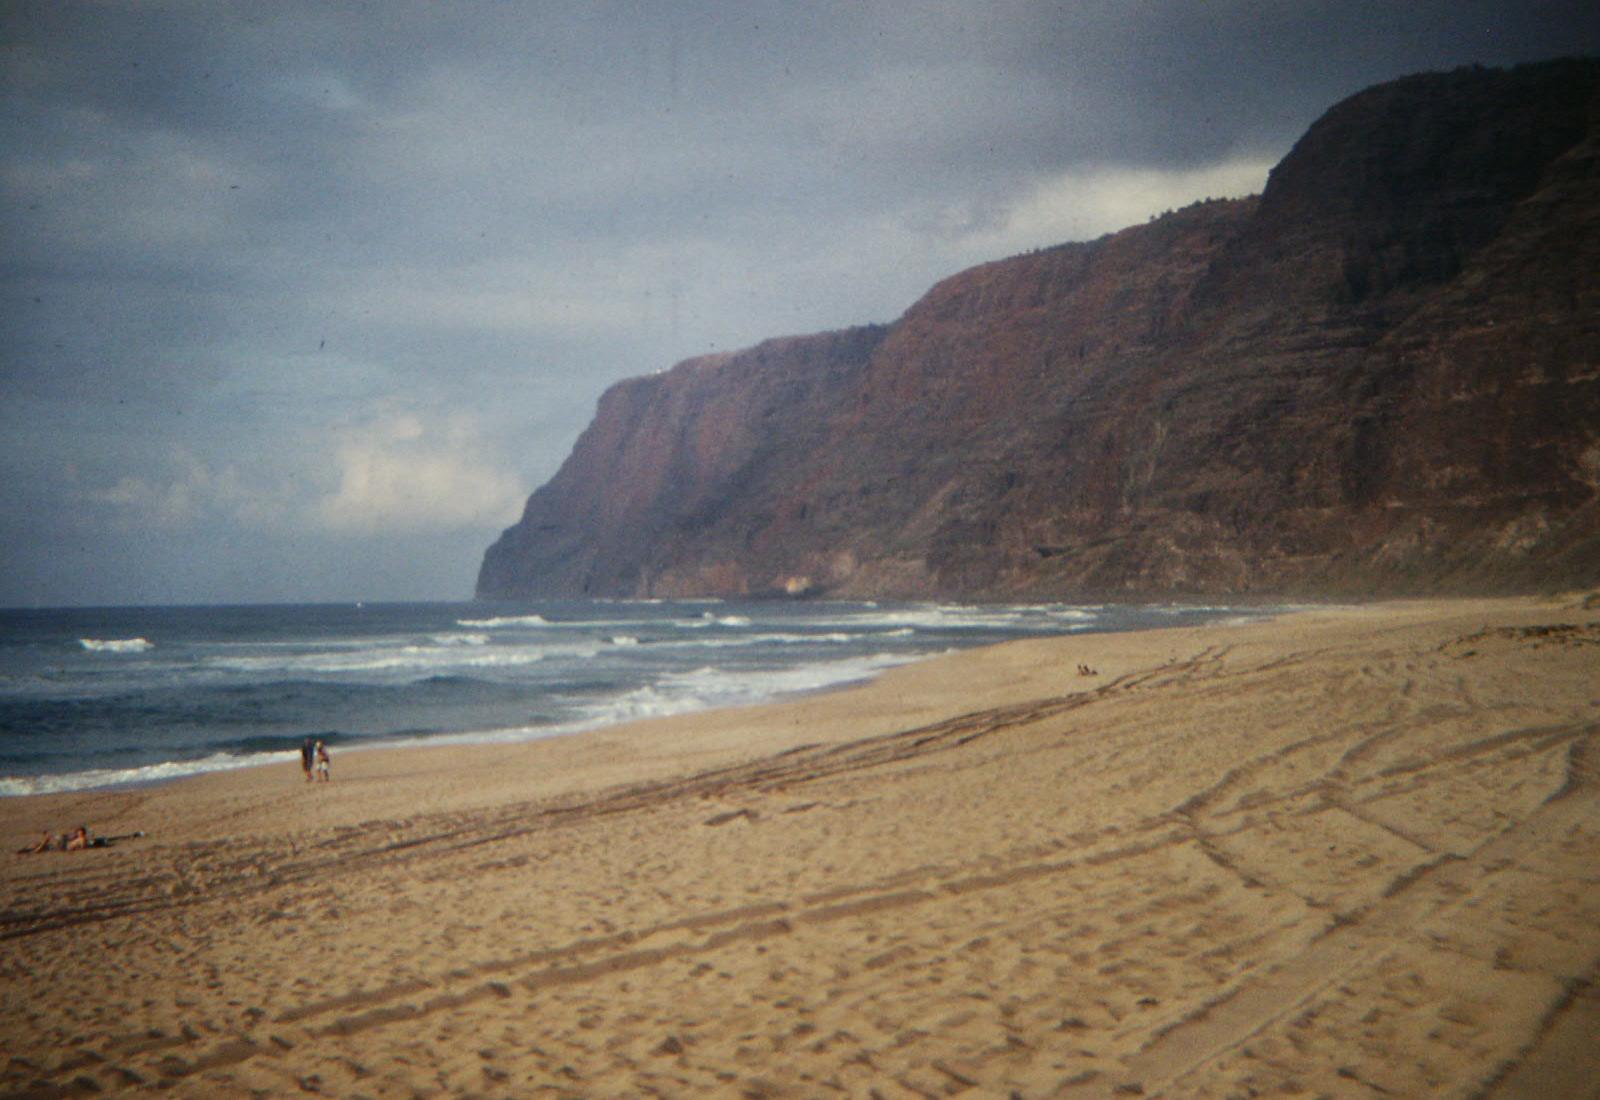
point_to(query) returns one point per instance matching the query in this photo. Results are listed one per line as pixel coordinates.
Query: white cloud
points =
(895, 257)
(142, 502)
(1083, 204)
(403, 473)
(191, 492)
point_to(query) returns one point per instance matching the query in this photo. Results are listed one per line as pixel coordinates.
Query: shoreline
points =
(1341, 849)
(524, 751)
(461, 739)
(161, 772)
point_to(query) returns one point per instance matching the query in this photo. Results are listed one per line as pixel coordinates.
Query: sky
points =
(299, 301)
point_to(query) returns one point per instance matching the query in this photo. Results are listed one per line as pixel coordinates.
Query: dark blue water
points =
(99, 697)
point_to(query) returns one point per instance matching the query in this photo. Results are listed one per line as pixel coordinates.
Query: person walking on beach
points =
(307, 757)
(322, 761)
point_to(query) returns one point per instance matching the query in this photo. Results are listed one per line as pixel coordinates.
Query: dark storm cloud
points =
(293, 287)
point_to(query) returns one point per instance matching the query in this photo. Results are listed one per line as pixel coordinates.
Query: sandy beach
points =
(1351, 852)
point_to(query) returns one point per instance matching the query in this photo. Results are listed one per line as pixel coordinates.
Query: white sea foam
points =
(421, 659)
(1040, 618)
(459, 639)
(750, 641)
(116, 645)
(503, 621)
(712, 686)
(429, 659)
(711, 618)
(689, 692)
(13, 785)
(543, 624)
(441, 654)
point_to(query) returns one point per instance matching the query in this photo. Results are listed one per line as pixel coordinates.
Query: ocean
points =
(102, 697)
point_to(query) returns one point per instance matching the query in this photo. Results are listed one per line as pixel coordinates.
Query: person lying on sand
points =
(77, 840)
(45, 843)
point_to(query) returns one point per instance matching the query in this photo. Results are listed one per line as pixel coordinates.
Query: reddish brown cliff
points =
(1381, 376)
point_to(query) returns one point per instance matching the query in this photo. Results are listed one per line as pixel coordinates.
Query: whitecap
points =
(428, 659)
(460, 639)
(503, 621)
(116, 645)
(751, 641)
(1042, 618)
(711, 618)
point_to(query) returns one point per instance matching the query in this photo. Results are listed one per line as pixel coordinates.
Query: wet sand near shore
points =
(1347, 853)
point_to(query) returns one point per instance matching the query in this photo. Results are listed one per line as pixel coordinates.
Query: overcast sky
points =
(301, 300)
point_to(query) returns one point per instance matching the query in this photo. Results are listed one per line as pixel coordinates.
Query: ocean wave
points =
(1236, 615)
(753, 641)
(711, 618)
(234, 683)
(685, 692)
(459, 639)
(94, 778)
(897, 621)
(688, 692)
(715, 686)
(502, 621)
(597, 623)
(116, 645)
(709, 687)
(420, 659)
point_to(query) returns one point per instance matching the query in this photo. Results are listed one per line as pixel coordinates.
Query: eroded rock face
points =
(1380, 376)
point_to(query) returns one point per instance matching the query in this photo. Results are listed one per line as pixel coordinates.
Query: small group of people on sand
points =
(76, 841)
(314, 759)
(1085, 670)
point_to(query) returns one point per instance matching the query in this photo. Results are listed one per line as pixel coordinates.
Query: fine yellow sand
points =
(1348, 853)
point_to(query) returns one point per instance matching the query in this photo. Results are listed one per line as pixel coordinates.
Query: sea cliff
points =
(1381, 376)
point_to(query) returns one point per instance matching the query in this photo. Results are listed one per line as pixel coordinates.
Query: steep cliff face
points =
(671, 457)
(1380, 376)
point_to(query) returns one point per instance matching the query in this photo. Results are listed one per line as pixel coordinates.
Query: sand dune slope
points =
(1349, 853)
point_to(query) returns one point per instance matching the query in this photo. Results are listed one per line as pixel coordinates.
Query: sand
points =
(1351, 853)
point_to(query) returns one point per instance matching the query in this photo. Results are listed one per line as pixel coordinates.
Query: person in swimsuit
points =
(76, 841)
(45, 843)
(322, 761)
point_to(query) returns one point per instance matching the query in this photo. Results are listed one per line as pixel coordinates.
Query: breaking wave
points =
(116, 645)
(500, 622)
